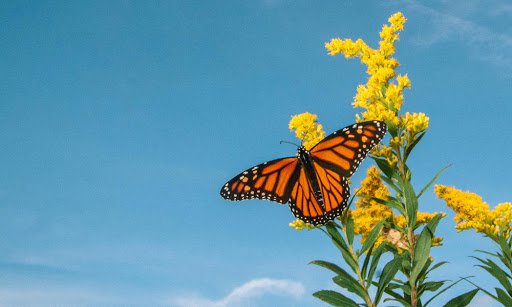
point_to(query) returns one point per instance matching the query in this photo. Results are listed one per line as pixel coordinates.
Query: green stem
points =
(410, 230)
(360, 278)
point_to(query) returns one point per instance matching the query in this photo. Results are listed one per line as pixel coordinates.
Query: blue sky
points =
(120, 121)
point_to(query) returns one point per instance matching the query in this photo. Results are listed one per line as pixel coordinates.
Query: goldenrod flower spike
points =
(472, 213)
(306, 129)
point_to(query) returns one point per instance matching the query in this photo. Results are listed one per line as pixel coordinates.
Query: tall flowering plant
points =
(386, 216)
(472, 213)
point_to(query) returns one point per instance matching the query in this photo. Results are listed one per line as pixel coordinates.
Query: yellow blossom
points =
(472, 213)
(306, 129)
(300, 225)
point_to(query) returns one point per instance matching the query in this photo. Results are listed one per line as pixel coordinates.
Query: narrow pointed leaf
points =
(431, 286)
(375, 261)
(397, 297)
(505, 248)
(391, 184)
(334, 298)
(436, 266)
(388, 273)
(392, 129)
(423, 245)
(393, 203)
(499, 274)
(448, 287)
(462, 300)
(341, 245)
(411, 204)
(474, 285)
(412, 145)
(503, 297)
(348, 282)
(432, 181)
(350, 231)
(372, 236)
(366, 262)
(331, 266)
(385, 167)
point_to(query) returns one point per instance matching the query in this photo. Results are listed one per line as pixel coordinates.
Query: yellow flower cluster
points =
(307, 129)
(472, 213)
(369, 213)
(380, 97)
(300, 225)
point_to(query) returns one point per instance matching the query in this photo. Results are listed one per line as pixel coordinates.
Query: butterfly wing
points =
(269, 180)
(343, 151)
(308, 208)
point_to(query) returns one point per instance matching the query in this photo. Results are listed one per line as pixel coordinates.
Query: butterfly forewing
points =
(265, 181)
(344, 150)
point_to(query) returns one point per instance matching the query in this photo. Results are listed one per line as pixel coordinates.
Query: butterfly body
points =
(314, 183)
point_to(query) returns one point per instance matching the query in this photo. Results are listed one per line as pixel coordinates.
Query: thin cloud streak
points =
(251, 289)
(482, 42)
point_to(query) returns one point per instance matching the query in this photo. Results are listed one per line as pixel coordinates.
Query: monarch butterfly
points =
(314, 183)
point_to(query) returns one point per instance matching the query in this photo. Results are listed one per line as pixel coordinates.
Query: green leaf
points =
(462, 300)
(392, 203)
(432, 181)
(421, 275)
(388, 273)
(375, 261)
(391, 184)
(422, 249)
(412, 145)
(340, 243)
(331, 266)
(334, 298)
(397, 297)
(503, 297)
(431, 286)
(350, 231)
(385, 167)
(496, 272)
(372, 236)
(366, 262)
(350, 283)
(483, 290)
(411, 204)
(392, 129)
(505, 248)
(436, 266)
(448, 287)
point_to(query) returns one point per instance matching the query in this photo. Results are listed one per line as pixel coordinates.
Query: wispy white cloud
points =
(483, 42)
(483, 301)
(240, 295)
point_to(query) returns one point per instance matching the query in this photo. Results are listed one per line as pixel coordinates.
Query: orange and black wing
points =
(343, 151)
(319, 210)
(271, 180)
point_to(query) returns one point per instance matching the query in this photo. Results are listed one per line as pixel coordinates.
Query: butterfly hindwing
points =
(303, 202)
(306, 207)
(265, 181)
(344, 150)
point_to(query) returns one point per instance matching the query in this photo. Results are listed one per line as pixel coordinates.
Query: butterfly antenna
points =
(288, 143)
